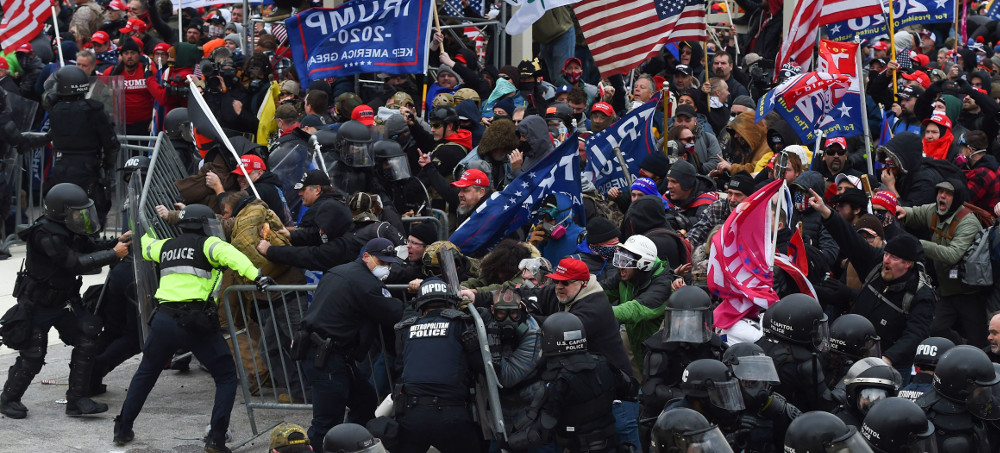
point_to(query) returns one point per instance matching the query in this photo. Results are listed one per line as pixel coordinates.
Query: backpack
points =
(604, 208)
(976, 268)
(684, 246)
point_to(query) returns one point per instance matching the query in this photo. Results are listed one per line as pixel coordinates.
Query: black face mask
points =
(526, 86)
(524, 147)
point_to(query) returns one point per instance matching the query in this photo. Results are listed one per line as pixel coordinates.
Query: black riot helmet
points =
(327, 140)
(563, 333)
(200, 219)
(854, 336)
(68, 204)
(134, 164)
(870, 380)
(680, 430)
(390, 161)
(898, 425)
(177, 124)
(929, 351)
(964, 374)
(354, 144)
(444, 115)
(434, 290)
(823, 432)
(71, 81)
(712, 379)
(351, 438)
(750, 364)
(688, 316)
(798, 318)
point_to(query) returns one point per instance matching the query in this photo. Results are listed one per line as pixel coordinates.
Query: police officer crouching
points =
(187, 317)
(683, 430)
(822, 432)
(438, 352)
(897, 425)
(59, 250)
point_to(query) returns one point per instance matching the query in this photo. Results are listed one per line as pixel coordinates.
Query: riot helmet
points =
(712, 379)
(200, 219)
(136, 163)
(351, 438)
(443, 115)
(431, 261)
(434, 290)
(392, 164)
(898, 425)
(508, 312)
(71, 81)
(854, 336)
(177, 124)
(680, 430)
(750, 363)
(327, 140)
(68, 204)
(823, 432)
(534, 271)
(688, 314)
(961, 370)
(870, 380)
(355, 144)
(929, 351)
(638, 252)
(799, 319)
(563, 334)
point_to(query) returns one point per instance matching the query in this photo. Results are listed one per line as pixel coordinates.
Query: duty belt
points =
(432, 401)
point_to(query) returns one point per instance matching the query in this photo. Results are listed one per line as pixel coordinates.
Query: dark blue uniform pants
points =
(450, 429)
(335, 387)
(165, 337)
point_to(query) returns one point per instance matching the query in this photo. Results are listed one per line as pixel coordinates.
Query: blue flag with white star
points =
(907, 12)
(360, 36)
(506, 211)
(633, 135)
(993, 12)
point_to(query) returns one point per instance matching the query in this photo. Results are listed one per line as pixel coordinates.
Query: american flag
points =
(454, 7)
(807, 17)
(623, 33)
(22, 21)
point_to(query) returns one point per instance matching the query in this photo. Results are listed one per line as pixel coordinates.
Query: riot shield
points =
(288, 162)
(487, 385)
(110, 91)
(146, 282)
(415, 197)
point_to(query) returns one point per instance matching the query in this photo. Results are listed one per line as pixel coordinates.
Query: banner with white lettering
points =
(361, 36)
(905, 12)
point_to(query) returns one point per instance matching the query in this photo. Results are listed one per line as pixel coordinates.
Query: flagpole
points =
(736, 39)
(708, 96)
(817, 151)
(864, 108)
(665, 98)
(958, 18)
(55, 25)
(892, 49)
(180, 20)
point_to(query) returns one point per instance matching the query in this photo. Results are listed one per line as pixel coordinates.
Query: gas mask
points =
(554, 231)
(255, 85)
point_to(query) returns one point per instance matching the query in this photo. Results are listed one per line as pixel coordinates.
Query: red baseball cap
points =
(472, 177)
(919, 76)
(881, 45)
(100, 37)
(364, 114)
(836, 141)
(251, 162)
(570, 269)
(4, 64)
(134, 24)
(604, 108)
(117, 5)
(161, 47)
(26, 48)
(939, 118)
(922, 59)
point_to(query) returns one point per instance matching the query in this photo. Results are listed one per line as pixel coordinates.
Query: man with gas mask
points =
(897, 425)
(768, 413)
(795, 334)
(349, 307)
(60, 248)
(187, 317)
(852, 338)
(869, 381)
(686, 430)
(84, 141)
(438, 358)
(559, 117)
(575, 406)
(556, 234)
(686, 336)
(447, 143)
(961, 400)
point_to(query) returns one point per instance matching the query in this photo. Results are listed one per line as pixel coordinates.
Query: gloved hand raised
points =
(262, 281)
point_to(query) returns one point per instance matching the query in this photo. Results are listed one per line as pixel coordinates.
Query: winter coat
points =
(639, 304)
(755, 135)
(945, 252)
(813, 232)
(535, 131)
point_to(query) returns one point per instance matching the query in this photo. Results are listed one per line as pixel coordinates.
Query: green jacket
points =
(639, 304)
(946, 253)
(179, 287)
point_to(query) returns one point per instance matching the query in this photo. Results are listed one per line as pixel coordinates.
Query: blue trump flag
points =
(906, 12)
(506, 211)
(805, 101)
(633, 136)
(361, 36)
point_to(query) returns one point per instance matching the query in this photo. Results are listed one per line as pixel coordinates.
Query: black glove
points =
(470, 340)
(263, 282)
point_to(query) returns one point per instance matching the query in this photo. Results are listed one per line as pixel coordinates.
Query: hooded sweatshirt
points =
(813, 232)
(648, 217)
(535, 131)
(467, 109)
(755, 135)
(556, 249)
(915, 183)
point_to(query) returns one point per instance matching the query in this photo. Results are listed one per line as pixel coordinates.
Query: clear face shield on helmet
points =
(533, 271)
(726, 395)
(396, 168)
(708, 441)
(686, 326)
(213, 227)
(83, 219)
(357, 154)
(625, 260)
(853, 442)
(869, 396)
(821, 335)
(755, 368)
(925, 444)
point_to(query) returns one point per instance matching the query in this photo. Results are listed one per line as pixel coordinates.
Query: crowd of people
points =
(605, 332)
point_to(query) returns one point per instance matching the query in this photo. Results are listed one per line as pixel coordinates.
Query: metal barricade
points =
(442, 228)
(260, 335)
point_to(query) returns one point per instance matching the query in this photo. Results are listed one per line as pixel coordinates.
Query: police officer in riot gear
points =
(580, 389)
(187, 316)
(392, 167)
(852, 338)
(686, 336)
(438, 351)
(926, 359)
(767, 414)
(822, 432)
(868, 381)
(60, 248)
(795, 334)
(681, 430)
(897, 425)
(177, 125)
(10, 133)
(354, 170)
(351, 438)
(712, 389)
(84, 142)
(960, 399)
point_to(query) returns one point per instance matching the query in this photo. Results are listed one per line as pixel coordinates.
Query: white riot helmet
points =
(637, 252)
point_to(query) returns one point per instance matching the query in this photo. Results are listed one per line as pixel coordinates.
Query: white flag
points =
(529, 13)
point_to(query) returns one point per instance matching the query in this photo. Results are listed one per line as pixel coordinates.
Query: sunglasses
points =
(436, 125)
(836, 152)
(565, 282)
(688, 140)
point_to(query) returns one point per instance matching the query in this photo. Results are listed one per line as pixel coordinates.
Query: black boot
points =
(81, 369)
(123, 434)
(12, 408)
(19, 377)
